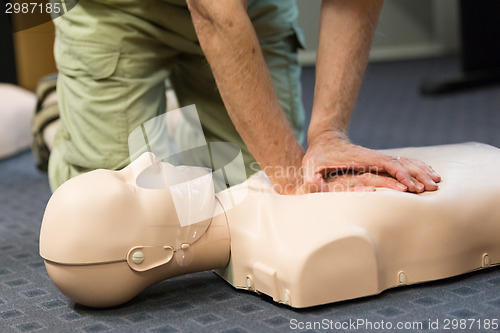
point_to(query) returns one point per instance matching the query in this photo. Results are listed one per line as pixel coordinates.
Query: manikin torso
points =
(320, 248)
(311, 249)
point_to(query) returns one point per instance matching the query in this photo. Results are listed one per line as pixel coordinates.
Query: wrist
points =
(331, 135)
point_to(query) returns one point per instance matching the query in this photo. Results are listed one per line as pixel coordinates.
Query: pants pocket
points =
(93, 132)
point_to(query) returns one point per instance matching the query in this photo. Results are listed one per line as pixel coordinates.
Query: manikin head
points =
(107, 235)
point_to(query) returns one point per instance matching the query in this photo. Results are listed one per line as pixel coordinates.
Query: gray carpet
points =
(390, 113)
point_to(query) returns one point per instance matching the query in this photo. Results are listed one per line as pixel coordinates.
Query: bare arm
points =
(230, 44)
(346, 31)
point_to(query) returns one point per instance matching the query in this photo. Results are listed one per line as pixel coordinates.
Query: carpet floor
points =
(390, 113)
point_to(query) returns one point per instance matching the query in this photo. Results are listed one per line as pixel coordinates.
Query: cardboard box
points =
(34, 54)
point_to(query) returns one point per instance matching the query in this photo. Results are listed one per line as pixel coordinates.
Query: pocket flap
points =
(80, 58)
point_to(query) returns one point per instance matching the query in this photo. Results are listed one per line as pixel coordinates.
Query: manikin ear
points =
(144, 258)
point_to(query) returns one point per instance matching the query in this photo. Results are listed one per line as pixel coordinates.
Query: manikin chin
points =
(108, 235)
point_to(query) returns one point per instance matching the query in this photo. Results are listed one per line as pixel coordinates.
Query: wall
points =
(407, 29)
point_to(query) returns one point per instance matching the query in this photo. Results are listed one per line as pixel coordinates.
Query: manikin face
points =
(105, 217)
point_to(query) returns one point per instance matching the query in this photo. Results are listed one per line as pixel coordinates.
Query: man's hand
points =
(232, 49)
(346, 30)
(358, 168)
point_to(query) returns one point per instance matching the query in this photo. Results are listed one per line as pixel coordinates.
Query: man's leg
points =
(193, 81)
(111, 79)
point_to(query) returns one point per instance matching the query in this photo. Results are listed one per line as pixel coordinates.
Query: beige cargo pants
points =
(113, 57)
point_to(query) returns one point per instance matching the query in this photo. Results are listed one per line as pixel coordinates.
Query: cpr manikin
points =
(107, 235)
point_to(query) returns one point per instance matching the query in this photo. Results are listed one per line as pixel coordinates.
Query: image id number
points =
(470, 324)
(32, 7)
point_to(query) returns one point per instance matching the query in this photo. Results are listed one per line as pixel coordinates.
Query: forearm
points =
(346, 32)
(231, 46)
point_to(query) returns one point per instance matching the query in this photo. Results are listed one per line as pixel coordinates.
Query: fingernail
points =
(413, 183)
(420, 187)
(402, 187)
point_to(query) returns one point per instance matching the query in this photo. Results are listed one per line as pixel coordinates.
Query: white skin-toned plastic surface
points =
(95, 224)
(300, 250)
(17, 107)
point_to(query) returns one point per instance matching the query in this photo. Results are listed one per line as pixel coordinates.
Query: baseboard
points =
(390, 53)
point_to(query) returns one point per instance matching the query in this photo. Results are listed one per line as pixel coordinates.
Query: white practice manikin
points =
(107, 235)
(17, 107)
